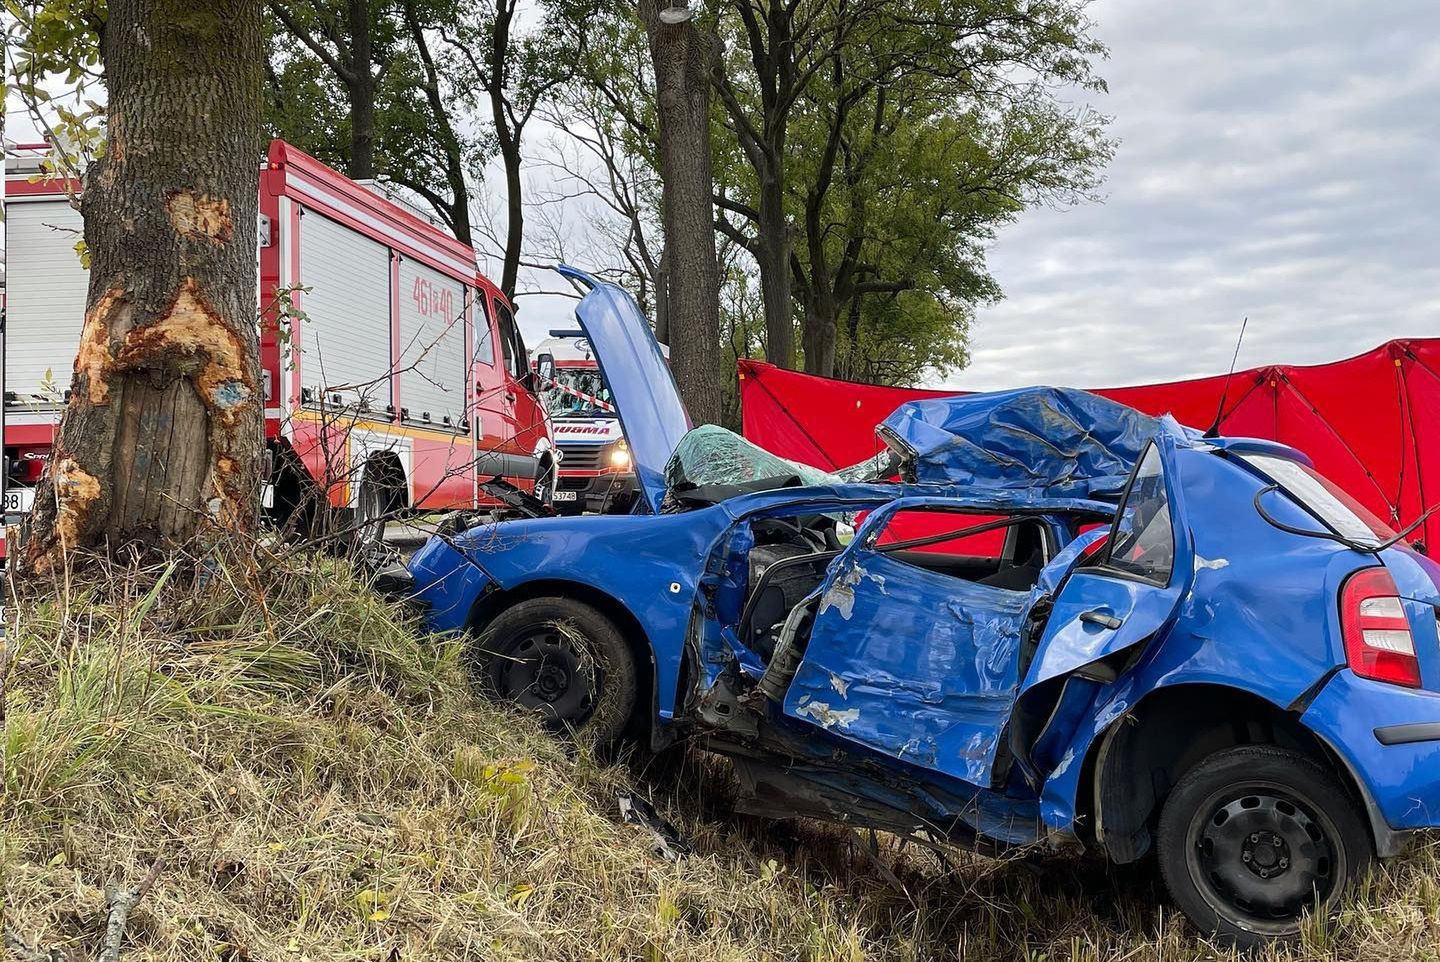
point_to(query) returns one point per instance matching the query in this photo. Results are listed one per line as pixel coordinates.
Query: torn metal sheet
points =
(1057, 440)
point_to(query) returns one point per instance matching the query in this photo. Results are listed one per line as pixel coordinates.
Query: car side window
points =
(1143, 541)
(484, 338)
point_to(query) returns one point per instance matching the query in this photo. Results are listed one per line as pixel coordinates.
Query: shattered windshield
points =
(712, 459)
(577, 392)
(711, 455)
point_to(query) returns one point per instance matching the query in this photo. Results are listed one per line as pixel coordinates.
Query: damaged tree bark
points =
(161, 440)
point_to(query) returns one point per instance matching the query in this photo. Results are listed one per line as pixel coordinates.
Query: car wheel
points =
(1254, 837)
(565, 661)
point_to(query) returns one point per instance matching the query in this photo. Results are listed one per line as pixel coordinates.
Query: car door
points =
(928, 668)
(909, 659)
(1105, 606)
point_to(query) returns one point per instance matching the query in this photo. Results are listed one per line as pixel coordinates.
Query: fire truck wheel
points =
(372, 510)
(565, 661)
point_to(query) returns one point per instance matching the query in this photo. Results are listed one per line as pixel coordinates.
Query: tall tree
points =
(683, 58)
(161, 440)
(511, 72)
(778, 47)
(355, 40)
(448, 83)
(607, 115)
(915, 130)
(417, 139)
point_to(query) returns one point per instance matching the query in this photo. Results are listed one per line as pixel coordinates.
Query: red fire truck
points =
(395, 376)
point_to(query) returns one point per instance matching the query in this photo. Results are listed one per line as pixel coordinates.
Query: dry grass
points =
(321, 785)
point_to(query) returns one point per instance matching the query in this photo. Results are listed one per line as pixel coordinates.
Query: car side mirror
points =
(545, 366)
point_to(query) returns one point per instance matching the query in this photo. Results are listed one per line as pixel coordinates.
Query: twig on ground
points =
(123, 900)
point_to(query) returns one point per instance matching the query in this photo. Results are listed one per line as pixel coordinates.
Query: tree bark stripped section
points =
(161, 440)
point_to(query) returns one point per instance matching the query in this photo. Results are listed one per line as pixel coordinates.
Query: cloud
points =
(1275, 160)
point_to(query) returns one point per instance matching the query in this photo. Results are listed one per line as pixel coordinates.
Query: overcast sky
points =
(1276, 160)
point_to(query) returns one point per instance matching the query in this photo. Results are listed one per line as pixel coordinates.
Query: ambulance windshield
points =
(577, 392)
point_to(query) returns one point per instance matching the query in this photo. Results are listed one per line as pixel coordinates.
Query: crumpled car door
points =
(913, 663)
(1105, 607)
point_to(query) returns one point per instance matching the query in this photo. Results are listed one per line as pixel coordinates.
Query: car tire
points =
(565, 661)
(1251, 838)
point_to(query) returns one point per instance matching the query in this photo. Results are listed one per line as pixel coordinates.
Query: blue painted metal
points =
(650, 565)
(913, 663)
(929, 659)
(1260, 616)
(630, 360)
(1071, 642)
(1059, 440)
(1403, 780)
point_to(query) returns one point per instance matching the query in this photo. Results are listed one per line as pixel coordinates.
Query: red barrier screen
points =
(1371, 423)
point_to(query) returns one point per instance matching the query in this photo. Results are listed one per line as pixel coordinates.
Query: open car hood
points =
(643, 390)
(1056, 441)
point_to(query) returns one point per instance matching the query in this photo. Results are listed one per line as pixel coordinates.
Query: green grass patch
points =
(322, 784)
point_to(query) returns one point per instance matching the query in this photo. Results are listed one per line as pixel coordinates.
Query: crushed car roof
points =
(1058, 440)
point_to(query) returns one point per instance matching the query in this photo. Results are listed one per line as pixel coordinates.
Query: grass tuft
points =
(322, 784)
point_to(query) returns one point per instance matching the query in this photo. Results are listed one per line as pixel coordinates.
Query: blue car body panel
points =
(1403, 780)
(914, 675)
(914, 663)
(651, 565)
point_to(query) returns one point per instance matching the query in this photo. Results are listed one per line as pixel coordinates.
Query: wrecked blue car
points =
(1039, 616)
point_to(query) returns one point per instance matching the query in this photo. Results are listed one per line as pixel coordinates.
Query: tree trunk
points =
(459, 190)
(514, 217)
(458, 209)
(681, 56)
(362, 94)
(774, 263)
(660, 283)
(821, 309)
(161, 440)
(820, 336)
(852, 329)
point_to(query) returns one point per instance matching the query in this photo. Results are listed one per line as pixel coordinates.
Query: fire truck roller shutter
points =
(432, 346)
(46, 295)
(346, 339)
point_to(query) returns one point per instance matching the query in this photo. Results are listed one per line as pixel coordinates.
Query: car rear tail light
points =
(1378, 643)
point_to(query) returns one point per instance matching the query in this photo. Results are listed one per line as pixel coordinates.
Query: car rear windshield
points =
(1323, 497)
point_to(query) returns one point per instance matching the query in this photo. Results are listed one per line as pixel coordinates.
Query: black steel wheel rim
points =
(1261, 855)
(548, 670)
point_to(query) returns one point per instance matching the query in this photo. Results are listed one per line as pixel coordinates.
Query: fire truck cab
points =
(395, 376)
